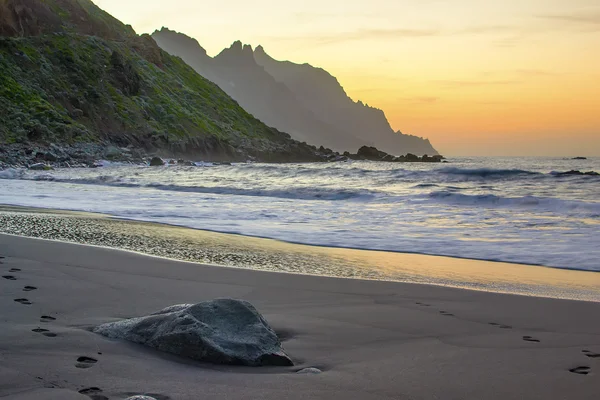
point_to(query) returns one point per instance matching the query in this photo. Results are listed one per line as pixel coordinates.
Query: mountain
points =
(236, 72)
(305, 101)
(70, 73)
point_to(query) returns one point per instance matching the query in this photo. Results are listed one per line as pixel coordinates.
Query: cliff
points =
(71, 73)
(305, 101)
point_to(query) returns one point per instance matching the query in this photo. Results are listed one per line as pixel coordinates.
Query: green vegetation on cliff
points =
(71, 73)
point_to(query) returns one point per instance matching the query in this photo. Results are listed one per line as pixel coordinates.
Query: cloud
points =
(421, 100)
(579, 18)
(393, 33)
(506, 35)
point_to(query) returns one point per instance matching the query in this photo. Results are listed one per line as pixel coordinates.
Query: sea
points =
(521, 210)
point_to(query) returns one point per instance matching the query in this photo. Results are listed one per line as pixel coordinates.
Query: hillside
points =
(236, 72)
(321, 93)
(70, 73)
(305, 101)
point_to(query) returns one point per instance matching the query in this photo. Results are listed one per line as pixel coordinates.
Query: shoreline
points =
(248, 252)
(67, 211)
(372, 340)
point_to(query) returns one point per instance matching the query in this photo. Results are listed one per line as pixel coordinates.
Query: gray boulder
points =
(156, 162)
(222, 331)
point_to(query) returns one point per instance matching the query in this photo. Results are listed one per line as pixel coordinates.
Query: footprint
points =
(446, 313)
(91, 390)
(44, 332)
(423, 304)
(94, 393)
(85, 362)
(530, 339)
(29, 288)
(23, 301)
(590, 354)
(9, 277)
(581, 370)
(47, 318)
(14, 270)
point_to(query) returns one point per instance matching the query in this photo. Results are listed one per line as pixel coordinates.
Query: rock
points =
(580, 158)
(371, 153)
(40, 167)
(186, 163)
(46, 156)
(156, 162)
(411, 158)
(113, 153)
(311, 370)
(222, 331)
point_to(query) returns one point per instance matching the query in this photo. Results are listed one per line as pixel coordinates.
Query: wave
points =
(306, 193)
(309, 193)
(12, 173)
(488, 172)
(544, 203)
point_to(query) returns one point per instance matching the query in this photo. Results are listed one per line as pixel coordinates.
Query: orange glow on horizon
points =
(519, 77)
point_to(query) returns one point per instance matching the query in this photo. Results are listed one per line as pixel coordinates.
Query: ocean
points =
(501, 209)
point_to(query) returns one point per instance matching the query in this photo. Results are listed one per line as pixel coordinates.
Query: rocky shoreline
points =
(88, 155)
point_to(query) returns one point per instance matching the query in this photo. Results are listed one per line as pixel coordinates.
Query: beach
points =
(372, 339)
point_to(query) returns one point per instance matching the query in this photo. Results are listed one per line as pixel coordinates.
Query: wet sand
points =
(271, 255)
(372, 339)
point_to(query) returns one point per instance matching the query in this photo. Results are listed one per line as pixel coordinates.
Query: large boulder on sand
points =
(222, 331)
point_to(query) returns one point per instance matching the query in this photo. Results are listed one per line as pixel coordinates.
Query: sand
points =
(371, 339)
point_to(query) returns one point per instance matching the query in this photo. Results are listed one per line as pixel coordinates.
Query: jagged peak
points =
(241, 52)
(236, 46)
(164, 31)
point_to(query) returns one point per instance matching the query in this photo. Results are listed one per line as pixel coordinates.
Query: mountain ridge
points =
(70, 73)
(328, 113)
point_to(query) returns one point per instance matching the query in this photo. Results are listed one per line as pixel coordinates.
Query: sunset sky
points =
(477, 77)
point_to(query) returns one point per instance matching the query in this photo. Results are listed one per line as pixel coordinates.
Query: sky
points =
(476, 77)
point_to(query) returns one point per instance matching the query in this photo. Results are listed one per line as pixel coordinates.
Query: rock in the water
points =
(40, 167)
(311, 370)
(580, 158)
(222, 331)
(156, 162)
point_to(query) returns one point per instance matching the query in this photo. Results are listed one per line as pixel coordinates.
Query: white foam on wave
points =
(532, 202)
(379, 206)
